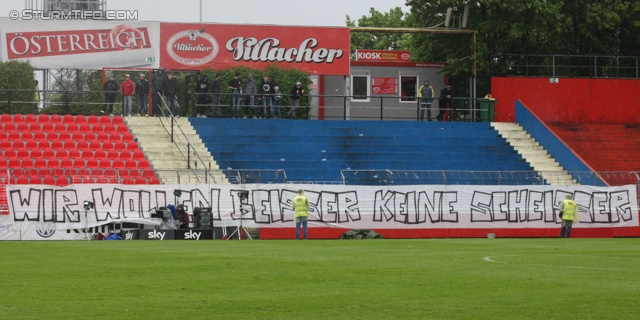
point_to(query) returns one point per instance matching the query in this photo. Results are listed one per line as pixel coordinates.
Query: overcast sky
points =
(279, 12)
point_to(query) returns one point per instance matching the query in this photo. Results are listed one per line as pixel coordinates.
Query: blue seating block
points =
(318, 150)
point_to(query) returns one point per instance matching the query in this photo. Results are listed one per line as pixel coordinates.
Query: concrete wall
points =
(570, 100)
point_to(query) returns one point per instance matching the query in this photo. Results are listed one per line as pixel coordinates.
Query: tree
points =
(16, 75)
(395, 18)
(76, 92)
(508, 28)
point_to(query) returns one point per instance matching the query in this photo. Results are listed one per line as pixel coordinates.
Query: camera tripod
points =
(87, 236)
(244, 200)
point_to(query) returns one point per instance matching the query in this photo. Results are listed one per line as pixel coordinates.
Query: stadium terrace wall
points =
(570, 100)
(39, 212)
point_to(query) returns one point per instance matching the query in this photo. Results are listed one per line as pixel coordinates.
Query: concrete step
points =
(169, 158)
(535, 154)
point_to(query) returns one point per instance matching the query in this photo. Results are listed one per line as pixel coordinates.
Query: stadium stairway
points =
(534, 153)
(317, 151)
(166, 157)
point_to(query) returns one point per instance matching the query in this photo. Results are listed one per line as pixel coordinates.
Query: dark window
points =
(408, 88)
(360, 86)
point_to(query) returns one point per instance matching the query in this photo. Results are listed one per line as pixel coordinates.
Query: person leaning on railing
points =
(110, 89)
(215, 97)
(445, 101)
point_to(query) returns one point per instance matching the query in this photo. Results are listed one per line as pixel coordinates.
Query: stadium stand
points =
(316, 151)
(59, 150)
(617, 146)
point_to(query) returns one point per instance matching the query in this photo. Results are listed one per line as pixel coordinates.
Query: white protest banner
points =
(337, 206)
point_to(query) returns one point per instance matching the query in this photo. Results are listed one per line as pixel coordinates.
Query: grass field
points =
(335, 279)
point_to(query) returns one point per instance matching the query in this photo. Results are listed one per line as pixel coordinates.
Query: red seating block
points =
(18, 118)
(43, 118)
(104, 120)
(93, 119)
(114, 137)
(6, 118)
(132, 145)
(49, 180)
(119, 145)
(44, 144)
(84, 127)
(117, 120)
(62, 181)
(31, 118)
(67, 118)
(9, 153)
(59, 127)
(64, 135)
(80, 119)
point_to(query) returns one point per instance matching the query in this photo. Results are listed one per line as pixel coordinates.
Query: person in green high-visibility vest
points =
(568, 213)
(301, 209)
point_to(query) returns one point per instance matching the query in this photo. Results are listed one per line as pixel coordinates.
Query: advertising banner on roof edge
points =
(81, 44)
(314, 50)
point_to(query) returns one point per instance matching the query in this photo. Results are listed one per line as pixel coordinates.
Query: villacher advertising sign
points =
(311, 49)
(87, 44)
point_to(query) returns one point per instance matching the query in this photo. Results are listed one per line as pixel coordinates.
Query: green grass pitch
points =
(333, 279)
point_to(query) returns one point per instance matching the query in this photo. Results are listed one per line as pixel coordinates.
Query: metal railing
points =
(441, 177)
(560, 65)
(182, 143)
(337, 107)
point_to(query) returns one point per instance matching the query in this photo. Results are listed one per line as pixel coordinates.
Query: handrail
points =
(188, 143)
(389, 176)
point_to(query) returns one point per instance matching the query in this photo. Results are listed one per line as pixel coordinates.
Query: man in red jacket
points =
(128, 88)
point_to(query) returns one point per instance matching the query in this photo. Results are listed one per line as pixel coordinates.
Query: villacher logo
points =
(192, 47)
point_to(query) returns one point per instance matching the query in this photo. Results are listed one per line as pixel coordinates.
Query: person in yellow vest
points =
(301, 208)
(568, 213)
(426, 94)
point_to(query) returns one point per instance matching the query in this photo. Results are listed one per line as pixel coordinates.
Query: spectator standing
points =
(202, 93)
(235, 85)
(266, 93)
(142, 92)
(128, 89)
(157, 83)
(170, 89)
(444, 101)
(426, 95)
(296, 93)
(277, 99)
(301, 213)
(110, 89)
(215, 97)
(250, 90)
(36, 95)
(568, 214)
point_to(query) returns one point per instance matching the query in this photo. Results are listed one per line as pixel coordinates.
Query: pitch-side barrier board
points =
(167, 234)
